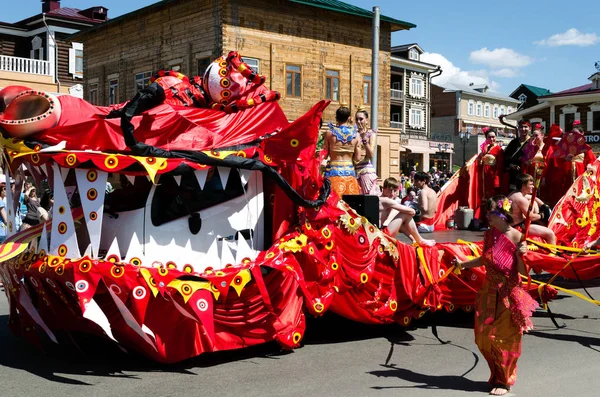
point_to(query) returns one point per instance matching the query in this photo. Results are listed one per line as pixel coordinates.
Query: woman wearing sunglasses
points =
(365, 172)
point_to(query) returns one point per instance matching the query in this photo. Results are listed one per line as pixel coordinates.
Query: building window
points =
(522, 98)
(202, 65)
(113, 91)
(254, 64)
(486, 111)
(37, 49)
(509, 110)
(413, 54)
(293, 80)
(495, 111)
(332, 85)
(471, 108)
(142, 80)
(367, 90)
(502, 110)
(93, 94)
(595, 121)
(478, 109)
(569, 120)
(76, 60)
(416, 87)
(416, 118)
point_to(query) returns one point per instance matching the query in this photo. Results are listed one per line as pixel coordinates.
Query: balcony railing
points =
(397, 95)
(24, 65)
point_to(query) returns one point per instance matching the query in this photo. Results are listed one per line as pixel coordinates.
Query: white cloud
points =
(453, 74)
(505, 72)
(570, 37)
(500, 58)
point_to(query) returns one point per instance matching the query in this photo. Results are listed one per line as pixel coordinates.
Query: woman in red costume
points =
(490, 165)
(503, 308)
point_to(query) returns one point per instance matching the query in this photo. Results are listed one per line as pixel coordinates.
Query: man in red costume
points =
(490, 170)
(568, 159)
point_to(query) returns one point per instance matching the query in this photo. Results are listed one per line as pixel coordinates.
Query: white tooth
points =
(56, 148)
(114, 249)
(131, 179)
(244, 250)
(226, 255)
(96, 205)
(185, 256)
(88, 251)
(135, 250)
(201, 177)
(148, 331)
(43, 244)
(211, 258)
(177, 179)
(64, 173)
(95, 314)
(245, 176)
(27, 305)
(10, 213)
(68, 237)
(224, 175)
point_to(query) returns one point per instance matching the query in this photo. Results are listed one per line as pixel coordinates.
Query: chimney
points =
(50, 5)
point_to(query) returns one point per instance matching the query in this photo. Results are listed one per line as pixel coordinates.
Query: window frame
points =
(93, 93)
(471, 107)
(411, 119)
(255, 68)
(76, 53)
(496, 112)
(293, 95)
(413, 54)
(595, 126)
(202, 61)
(420, 84)
(113, 97)
(486, 110)
(330, 85)
(146, 76)
(479, 109)
(367, 80)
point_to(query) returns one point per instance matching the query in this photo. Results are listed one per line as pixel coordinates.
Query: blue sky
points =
(543, 43)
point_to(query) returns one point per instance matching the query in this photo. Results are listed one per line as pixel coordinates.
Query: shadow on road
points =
(79, 354)
(426, 381)
(586, 341)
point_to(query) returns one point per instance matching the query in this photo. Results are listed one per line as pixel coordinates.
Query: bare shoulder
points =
(514, 235)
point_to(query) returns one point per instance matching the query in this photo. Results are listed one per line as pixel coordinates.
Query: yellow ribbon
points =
(565, 290)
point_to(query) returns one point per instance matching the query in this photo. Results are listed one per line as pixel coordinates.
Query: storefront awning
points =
(417, 149)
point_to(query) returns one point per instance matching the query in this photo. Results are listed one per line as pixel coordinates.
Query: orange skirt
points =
(497, 337)
(344, 185)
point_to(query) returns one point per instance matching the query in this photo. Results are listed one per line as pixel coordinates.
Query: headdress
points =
(576, 123)
(502, 205)
(538, 126)
(524, 122)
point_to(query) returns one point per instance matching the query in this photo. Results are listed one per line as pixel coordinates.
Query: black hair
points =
(342, 114)
(421, 176)
(45, 201)
(488, 132)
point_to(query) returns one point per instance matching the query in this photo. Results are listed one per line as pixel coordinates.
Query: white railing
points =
(24, 65)
(396, 124)
(397, 94)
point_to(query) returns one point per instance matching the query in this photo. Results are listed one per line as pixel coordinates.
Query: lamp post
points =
(464, 138)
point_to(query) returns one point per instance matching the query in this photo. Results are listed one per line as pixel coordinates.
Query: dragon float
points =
(220, 232)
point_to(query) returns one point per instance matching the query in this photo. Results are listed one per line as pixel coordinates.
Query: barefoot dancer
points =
(503, 308)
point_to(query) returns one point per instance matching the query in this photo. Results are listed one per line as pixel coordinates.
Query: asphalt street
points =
(338, 358)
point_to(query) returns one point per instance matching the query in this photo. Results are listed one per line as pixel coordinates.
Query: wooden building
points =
(563, 108)
(308, 50)
(37, 52)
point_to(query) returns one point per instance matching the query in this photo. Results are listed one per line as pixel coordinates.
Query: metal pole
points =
(464, 152)
(375, 82)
